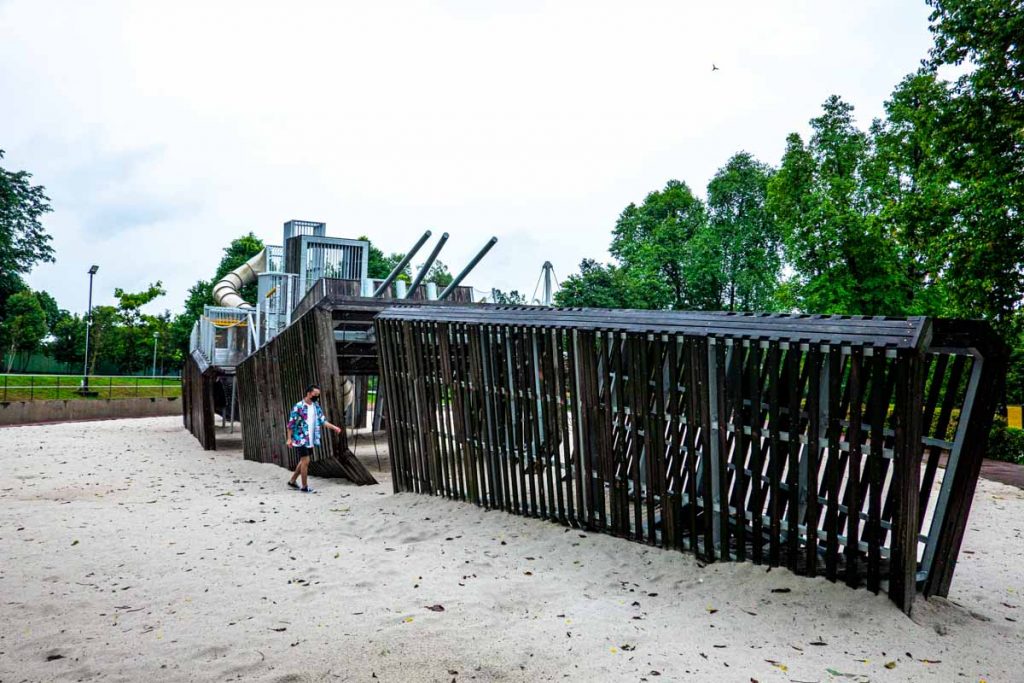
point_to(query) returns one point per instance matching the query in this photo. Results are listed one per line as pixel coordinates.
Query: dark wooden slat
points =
(776, 456)
(873, 529)
(756, 455)
(833, 464)
(722, 412)
(853, 495)
(739, 495)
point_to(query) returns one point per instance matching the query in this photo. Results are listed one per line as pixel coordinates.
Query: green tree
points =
(237, 253)
(23, 240)
(240, 250)
(23, 327)
(439, 274)
(984, 137)
(512, 298)
(379, 265)
(69, 340)
(654, 242)
(842, 261)
(598, 286)
(910, 189)
(105, 340)
(742, 242)
(376, 262)
(51, 311)
(133, 338)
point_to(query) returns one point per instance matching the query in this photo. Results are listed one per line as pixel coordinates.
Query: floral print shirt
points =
(298, 425)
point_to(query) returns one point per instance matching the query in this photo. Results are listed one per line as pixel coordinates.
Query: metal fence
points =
(14, 387)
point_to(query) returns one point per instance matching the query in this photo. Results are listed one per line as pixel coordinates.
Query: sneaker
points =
(293, 484)
(306, 489)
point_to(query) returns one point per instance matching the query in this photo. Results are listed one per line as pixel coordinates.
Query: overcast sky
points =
(162, 130)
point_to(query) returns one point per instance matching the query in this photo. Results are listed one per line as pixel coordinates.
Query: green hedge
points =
(1005, 443)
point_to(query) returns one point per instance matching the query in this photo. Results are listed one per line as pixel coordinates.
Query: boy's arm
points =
(325, 423)
(292, 419)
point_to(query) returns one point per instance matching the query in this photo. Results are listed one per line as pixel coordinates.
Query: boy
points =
(304, 433)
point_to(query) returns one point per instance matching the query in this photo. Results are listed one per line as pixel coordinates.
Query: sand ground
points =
(129, 554)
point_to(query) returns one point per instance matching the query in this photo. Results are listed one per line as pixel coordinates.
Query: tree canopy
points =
(23, 240)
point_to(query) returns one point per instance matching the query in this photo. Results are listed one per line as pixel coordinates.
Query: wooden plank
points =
(794, 428)
(906, 479)
(742, 443)
(809, 475)
(853, 475)
(756, 456)
(776, 456)
(832, 464)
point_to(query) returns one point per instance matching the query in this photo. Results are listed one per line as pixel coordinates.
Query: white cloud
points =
(163, 130)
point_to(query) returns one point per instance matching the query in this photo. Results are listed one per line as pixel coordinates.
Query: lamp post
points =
(88, 328)
(156, 335)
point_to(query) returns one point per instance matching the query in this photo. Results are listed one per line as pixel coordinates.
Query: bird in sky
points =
(713, 67)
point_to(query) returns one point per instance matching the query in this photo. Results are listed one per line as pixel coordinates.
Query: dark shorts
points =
(303, 451)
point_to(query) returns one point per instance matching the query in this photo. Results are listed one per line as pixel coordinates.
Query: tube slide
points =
(226, 290)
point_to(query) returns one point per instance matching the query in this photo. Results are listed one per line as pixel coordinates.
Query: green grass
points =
(66, 387)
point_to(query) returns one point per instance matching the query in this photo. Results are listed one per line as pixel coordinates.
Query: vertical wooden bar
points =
(879, 407)
(707, 486)
(853, 494)
(906, 479)
(756, 453)
(722, 411)
(809, 475)
(692, 419)
(741, 442)
(832, 467)
(776, 456)
(794, 428)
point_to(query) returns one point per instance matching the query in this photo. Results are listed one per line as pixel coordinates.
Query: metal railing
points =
(15, 387)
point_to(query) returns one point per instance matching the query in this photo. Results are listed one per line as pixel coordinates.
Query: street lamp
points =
(156, 335)
(88, 327)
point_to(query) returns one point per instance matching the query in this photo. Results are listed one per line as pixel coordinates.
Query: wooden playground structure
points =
(804, 441)
(810, 442)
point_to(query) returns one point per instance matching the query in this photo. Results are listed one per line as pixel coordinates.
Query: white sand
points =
(133, 555)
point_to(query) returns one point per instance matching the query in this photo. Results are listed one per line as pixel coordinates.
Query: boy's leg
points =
(295, 474)
(303, 469)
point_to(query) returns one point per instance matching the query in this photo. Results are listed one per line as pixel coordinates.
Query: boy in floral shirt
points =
(304, 433)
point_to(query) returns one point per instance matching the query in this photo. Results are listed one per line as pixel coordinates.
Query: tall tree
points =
(439, 274)
(69, 340)
(985, 151)
(842, 262)
(24, 326)
(238, 252)
(512, 298)
(598, 286)
(910, 188)
(742, 239)
(653, 242)
(105, 340)
(51, 311)
(23, 240)
(134, 332)
(379, 265)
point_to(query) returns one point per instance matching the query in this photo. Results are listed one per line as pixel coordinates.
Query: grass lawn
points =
(49, 387)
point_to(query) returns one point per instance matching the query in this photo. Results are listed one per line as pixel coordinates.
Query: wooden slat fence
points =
(197, 380)
(807, 442)
(275, 377)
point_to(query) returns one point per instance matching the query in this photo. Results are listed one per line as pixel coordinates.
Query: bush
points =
(1005, 443)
